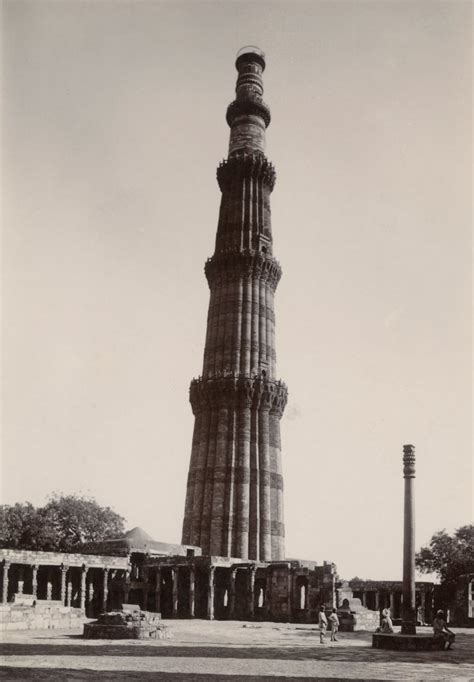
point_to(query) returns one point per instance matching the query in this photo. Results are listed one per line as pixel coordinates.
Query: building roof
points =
(138, 535)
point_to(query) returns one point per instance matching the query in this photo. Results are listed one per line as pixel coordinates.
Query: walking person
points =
(323, 624)
(334, 621)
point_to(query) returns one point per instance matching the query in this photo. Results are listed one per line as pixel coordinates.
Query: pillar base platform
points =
(397, 642)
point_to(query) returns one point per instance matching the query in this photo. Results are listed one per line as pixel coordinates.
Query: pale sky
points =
(113, 124)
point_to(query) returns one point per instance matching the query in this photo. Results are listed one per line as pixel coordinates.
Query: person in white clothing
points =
(334, 622)
(323, 625)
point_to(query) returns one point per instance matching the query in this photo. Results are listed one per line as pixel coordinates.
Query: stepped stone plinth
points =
(128, 624)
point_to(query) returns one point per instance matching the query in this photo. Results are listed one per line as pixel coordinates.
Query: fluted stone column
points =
(234, 496)
(6, 569)
(409, 604)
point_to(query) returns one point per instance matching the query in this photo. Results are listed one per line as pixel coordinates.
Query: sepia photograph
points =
(236, 340)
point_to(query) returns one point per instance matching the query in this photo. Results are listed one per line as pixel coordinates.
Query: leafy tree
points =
(23, 526)
(449, 556)
(64, 524)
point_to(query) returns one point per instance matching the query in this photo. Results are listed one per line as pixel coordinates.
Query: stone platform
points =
(39, 614)
(398, 642)
(127, 625)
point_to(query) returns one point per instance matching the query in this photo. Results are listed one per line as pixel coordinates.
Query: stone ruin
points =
(353, 616)
(129, 623)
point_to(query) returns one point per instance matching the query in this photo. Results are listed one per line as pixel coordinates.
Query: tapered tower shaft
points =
(234, 500)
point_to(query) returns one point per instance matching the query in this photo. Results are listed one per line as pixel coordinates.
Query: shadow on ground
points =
(337, 652)
(45, 674)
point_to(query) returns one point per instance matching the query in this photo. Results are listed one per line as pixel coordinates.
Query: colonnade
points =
(377, 599)
(78, 585)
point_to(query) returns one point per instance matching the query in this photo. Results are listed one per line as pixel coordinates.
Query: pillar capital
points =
(409, 461)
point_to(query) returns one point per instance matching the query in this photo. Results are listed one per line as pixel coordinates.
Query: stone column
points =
(69, 592)
(192, 588)
(105, 588)
(126, 586)
(408, 604)
(49, 584)
(6, 568)
(290, 592)
(377, 600)
(34, 580)
(175, 576)
(392, 604)
(233, 575)
(268, 592)
(363, 598)
(422, 605)
(210, 594)
(252, 571)
(83, 587)
(145, 588)
(158, 591)
(90, 596)
(21, 580)
(64, 570)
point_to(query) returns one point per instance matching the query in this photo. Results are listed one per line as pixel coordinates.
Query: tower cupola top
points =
(248, 115)
(250, 53)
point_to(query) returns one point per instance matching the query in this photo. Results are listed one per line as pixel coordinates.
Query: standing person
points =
(334, 620)
(323, 624)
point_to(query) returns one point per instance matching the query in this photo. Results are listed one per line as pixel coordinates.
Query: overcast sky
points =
(113, 122)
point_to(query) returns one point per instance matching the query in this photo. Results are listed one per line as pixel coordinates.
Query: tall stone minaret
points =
(234, 500)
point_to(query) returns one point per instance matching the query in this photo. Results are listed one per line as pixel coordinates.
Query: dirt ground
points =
(202, 650)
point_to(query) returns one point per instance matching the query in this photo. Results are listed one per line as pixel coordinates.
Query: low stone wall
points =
(363, 620)
(398, 642)
(44, 615)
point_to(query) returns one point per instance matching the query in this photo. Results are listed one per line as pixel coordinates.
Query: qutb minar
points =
(234, 499)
